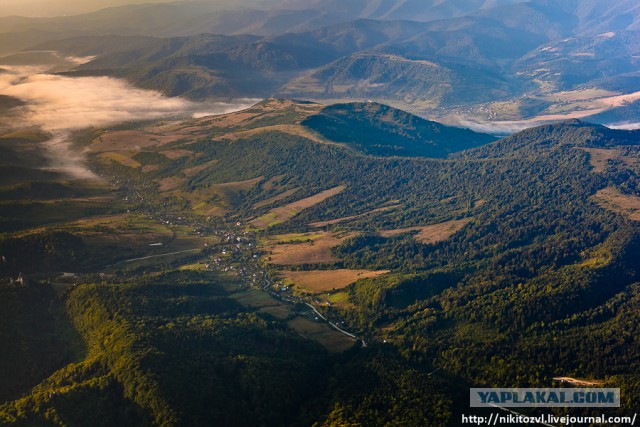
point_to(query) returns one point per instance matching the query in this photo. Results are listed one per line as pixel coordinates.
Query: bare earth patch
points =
(612, 199)
(599, 157)
(327, 280)
(286, 212)
(317, 251)
(430, 234)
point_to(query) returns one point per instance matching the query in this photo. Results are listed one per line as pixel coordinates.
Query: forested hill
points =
(382, 130)
(574, 133)
(507, 264)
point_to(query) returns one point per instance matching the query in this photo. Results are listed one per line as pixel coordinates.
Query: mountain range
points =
(456, 62)
(317, 213)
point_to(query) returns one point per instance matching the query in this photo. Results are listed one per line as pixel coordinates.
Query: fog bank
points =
(60, 104)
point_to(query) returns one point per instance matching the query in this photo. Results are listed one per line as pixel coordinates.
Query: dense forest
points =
(540, 280)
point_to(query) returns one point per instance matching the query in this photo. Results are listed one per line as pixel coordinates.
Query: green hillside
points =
(520, 249)
(384, 131)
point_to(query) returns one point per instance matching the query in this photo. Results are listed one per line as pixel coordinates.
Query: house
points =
(22, 280)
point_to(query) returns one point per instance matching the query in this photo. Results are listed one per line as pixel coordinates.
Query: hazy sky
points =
(62, 7)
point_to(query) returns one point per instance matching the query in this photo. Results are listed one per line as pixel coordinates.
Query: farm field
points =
(324, 334)
(600, 157)
(349, 218)
(612, 199)
(283, 213)
(430, 234)
(315, 281)
(315, 251)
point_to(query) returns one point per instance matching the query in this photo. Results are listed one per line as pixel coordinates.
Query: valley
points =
(305, 213)
(203, 223)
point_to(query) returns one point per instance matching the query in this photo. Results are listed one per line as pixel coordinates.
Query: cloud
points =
(60, 104)
(498, 128)
(79, 60)
(624, 126)
(65, 103)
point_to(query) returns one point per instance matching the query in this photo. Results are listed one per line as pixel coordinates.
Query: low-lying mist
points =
(504, 128)
(625, 126)
(59, 104)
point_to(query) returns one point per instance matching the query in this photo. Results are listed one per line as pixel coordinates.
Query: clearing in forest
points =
(305, 248)
(276, 198)
(599, 157)
(286, 212)
(430, 234)
(324, 334)
(349, 218)
(327, 280)
(612, 199)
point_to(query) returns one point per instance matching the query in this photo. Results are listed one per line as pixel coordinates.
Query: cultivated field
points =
(176, 154)
(286, 212)
(328, 337)
(600, 157)
(349, 218)
(265, 303)
(239, 185)
(170, 183)
(194, 170)
(295, 130)
(281, 239)
(255, 298)
(315, 251)
(211, 201)
(274, 199)
(320, 332)
(120, 157)
(327, 280)
(131, 140)
(430, 234)
(270, 110)
(613, 200)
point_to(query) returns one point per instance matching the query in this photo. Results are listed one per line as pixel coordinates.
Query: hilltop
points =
(382, 130)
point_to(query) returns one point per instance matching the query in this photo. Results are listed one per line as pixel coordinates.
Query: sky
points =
(48, 8)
